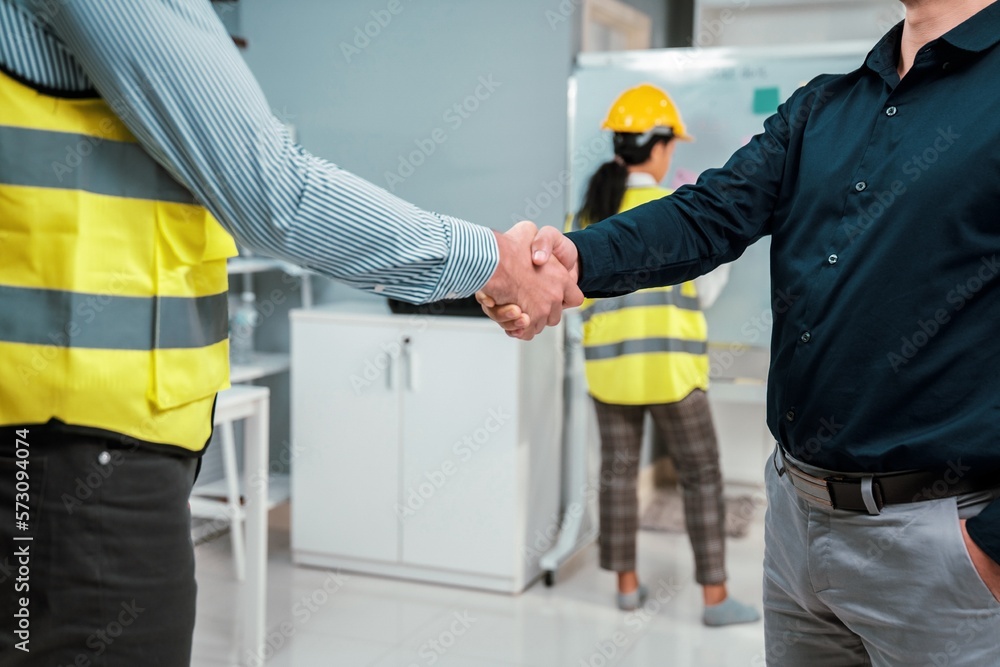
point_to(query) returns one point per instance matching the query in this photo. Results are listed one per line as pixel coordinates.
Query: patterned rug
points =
(665, 513)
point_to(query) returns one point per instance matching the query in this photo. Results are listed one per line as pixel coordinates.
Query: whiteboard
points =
(724, 96)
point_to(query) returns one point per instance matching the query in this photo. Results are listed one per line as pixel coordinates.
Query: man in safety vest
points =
(134, 145)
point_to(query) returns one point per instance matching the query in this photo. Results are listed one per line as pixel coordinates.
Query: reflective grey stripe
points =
(644, 346)
(99, 321)
(44, 159)
(643, 299)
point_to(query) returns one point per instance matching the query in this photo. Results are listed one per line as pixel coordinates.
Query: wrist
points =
(499, 283)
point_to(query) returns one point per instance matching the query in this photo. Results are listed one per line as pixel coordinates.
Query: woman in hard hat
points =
(647, 353)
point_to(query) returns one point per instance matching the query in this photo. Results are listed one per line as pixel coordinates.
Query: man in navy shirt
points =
(880, 190)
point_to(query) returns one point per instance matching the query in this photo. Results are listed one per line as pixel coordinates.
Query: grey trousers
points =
(898, 589)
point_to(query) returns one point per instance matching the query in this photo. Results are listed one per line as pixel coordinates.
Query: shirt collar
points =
(884, 58)
(640, 179)
(976, 34)
(979, 32)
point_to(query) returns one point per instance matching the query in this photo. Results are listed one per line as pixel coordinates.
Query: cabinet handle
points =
(408, 357)
(390, 371)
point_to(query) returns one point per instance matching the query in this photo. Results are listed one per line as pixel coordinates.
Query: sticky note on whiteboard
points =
(766, 100)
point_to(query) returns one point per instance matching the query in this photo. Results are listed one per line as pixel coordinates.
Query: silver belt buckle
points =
(817, 490)
(868, 495)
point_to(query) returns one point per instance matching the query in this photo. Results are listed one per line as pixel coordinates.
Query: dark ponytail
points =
(604, 193)
(607, 186)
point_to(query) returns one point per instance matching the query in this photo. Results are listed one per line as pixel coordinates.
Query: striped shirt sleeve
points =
(171, 73)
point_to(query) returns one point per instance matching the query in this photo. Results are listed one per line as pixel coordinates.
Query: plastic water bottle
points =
(241, 326)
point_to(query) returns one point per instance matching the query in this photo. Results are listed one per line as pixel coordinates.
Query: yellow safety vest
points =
(113, 282)
(648, 347)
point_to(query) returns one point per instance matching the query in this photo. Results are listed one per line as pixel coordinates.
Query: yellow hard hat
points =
(646, 109)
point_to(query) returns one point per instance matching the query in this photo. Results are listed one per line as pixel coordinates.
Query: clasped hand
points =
(535, 279)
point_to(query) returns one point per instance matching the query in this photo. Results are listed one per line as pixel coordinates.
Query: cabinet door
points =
(345, 439)
(460, 426)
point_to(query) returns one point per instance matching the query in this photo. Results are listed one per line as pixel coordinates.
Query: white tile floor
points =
(391, 623)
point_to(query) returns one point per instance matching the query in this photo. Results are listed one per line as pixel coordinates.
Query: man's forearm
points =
(171, 74)
(664, 242)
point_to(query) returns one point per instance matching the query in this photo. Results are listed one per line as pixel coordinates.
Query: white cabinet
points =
(424, 447)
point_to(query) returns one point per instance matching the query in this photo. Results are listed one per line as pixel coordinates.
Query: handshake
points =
(535, 279)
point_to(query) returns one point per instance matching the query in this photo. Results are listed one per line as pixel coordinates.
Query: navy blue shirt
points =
(882, 200)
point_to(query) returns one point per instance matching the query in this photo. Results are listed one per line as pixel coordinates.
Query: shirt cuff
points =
(984, 529)
(473, 256)
(590, 265)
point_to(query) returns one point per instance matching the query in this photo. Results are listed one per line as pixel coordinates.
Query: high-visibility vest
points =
(648, 347)
(113, 285)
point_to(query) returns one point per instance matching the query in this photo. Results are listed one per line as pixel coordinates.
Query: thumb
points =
(546, 241)
(565, 251)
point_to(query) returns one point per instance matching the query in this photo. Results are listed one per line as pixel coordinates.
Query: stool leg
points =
(235, 509)
(256, 467)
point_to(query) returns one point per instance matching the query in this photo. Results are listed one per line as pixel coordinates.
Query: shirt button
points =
(860, 186)
(806, 337)
(946, 66)
(104, 458)
(790, 416)
(891, 111)
(832, 259)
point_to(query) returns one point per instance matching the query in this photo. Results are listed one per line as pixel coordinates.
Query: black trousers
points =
(107, 579)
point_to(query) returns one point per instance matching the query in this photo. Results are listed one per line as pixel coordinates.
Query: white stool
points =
(250, 561)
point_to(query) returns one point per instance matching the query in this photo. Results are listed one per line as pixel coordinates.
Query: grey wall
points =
(365, 95)
(361, 92)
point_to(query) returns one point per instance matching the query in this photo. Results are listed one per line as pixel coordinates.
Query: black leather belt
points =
(857, 492)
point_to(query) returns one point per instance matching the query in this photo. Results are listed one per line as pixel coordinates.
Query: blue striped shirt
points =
(170, 71)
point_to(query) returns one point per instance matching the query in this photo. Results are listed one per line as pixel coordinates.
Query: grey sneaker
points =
(729, 612)
(634, 600)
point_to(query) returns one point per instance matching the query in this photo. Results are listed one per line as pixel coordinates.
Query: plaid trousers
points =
(686, 427)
